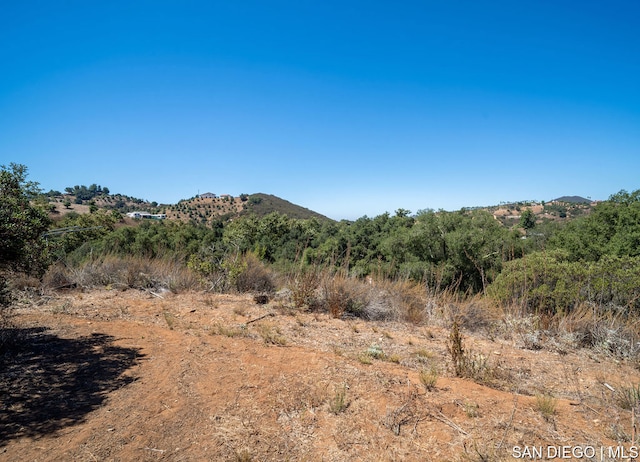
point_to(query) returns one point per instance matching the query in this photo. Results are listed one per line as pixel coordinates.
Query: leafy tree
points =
(612, 228)
(22, 225)
(528, 219)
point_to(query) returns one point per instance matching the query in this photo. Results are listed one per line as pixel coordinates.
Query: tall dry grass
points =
(607, 330)
(125, 272)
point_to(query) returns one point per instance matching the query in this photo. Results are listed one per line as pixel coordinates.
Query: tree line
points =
(543, 265)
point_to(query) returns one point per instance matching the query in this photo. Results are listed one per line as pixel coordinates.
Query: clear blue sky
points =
(349, 108)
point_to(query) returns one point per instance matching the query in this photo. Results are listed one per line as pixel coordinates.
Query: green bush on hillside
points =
(549, 282)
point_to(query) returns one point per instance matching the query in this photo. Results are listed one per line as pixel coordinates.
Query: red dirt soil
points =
(109, 375)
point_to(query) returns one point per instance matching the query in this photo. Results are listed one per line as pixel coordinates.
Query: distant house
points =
(139, 215)
(146, 215)
(224, 196)
(208, 195)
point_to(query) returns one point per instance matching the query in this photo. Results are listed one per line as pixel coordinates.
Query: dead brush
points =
(609, 331)
(474, 366)
(303, 284)
(411, 301)
(132, 272)
(442, 304)
(456, 350)
(628, 397)
(342, 295)
(408, 413)
(255, 277)
(478, 314)
(57, 277)
(175, 276)
(401, 299)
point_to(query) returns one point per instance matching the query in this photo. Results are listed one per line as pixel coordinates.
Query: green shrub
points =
(548, 282)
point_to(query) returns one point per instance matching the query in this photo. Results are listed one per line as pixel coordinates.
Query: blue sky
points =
(348, 108)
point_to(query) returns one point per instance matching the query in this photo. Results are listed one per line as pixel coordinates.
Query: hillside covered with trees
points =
(542, 263)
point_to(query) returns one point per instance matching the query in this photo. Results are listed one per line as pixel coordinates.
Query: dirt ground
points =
(113, 375)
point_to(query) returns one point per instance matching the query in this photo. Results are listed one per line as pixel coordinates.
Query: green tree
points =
(22, 225)
(528, 219)
(612, 228)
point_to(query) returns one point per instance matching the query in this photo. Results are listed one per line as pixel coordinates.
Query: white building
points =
(147, 215)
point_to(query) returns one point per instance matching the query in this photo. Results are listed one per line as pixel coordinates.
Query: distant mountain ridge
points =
(200, 209)
(262, 204)
(212, 207)
(208, 207)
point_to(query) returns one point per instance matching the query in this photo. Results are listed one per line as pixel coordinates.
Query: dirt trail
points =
(121, 376)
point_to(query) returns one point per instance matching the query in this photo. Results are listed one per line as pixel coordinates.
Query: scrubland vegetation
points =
(543, 285)
(580, 278)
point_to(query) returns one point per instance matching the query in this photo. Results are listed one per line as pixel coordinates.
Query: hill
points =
(207, 209)
(562, 209)
(113, 375)
(198, 209)
(262, 204)
(572, 200)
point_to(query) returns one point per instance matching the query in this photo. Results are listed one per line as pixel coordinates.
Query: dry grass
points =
(122, 272)
(628, 397)
(303, 284)
(271, 334)
(340, 295)
(170, 319)
(605, 330)
(402, 300)
(547, 405)
(429, 377)
(219, 329)
(339, 402)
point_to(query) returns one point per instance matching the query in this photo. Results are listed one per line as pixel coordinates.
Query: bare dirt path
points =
(122, 376)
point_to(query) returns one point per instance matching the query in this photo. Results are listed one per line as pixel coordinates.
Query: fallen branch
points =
(155, 294)
(442, 418)
(261, 317)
